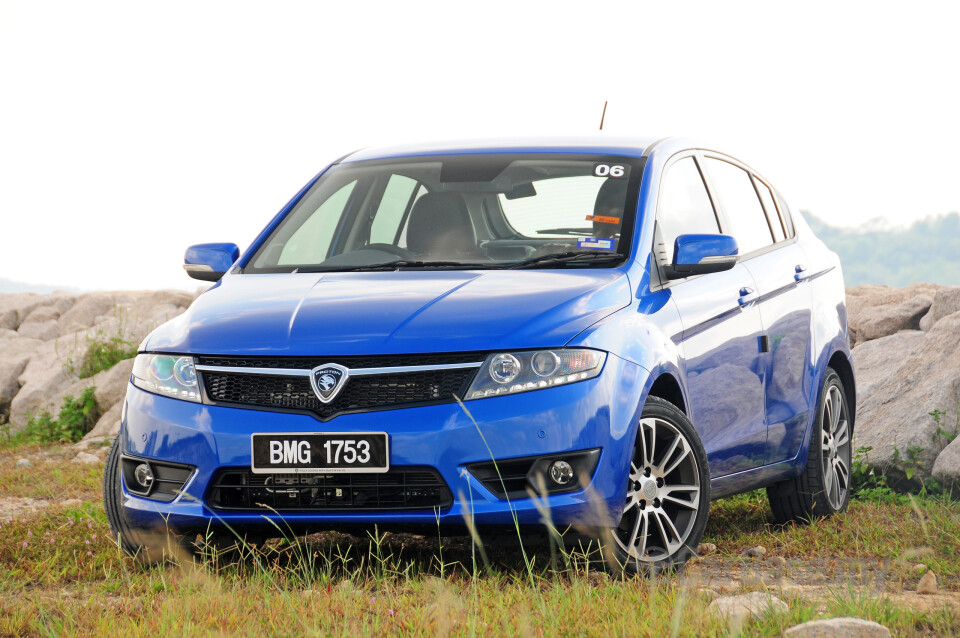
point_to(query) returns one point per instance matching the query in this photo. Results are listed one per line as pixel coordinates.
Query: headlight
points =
(512, 372)
(171, 376)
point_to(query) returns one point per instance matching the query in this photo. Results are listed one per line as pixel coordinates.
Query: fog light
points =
(144, 476)
(561, 472)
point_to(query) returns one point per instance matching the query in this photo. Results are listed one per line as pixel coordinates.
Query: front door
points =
(721, 331)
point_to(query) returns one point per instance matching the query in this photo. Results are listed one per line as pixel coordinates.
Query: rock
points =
(945, 302)
(754, 552)
(24, 463)
(107, 426)
(85, 458)
(873, 360)
(15, 353)
(878, 311)
(927, 379)
(946, 469)
(111, 385)
(927, 584)
(753, 604)
(777, 561)
(838, 628)
(705, 549)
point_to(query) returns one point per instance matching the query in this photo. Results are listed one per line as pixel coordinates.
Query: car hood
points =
(392, 312)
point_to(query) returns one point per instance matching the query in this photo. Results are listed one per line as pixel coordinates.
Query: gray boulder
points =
(879, 311)
(752, 605)
(874, 360)
(838, 628)
(945, 302)
(946, 469)
(893, 418)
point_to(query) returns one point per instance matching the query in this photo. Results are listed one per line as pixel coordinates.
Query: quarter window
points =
(766, 198)
(684, 207)
(739, 202)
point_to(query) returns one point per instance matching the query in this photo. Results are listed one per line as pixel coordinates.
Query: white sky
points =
(130, 130)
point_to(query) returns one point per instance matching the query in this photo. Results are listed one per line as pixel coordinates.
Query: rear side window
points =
(773, 217)
(740, 203)
(684, 207)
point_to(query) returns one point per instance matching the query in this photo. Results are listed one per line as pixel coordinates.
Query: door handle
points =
(747, 296)
(799, 273)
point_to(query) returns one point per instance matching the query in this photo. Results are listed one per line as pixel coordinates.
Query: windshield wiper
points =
(405, 263)
(556, 259)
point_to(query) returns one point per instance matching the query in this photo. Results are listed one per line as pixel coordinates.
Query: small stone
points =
(85, 458)
(927, 584)
(754, 604)
(597, 578)
(705, 549)
(838, 628)
(754, 552)
(24, 463)
(777, 561)
(818, 578)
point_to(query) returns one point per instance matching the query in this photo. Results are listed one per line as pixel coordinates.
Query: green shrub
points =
(76, 418)
(104, 353)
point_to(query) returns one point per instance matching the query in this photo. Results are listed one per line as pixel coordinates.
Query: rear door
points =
(721, 330)
(778, 266)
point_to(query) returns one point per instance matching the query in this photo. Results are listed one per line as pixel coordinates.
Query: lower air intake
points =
(404, 488)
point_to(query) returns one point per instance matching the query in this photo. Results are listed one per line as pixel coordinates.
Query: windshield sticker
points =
(596, 243)
(603, 219)
(606, 170)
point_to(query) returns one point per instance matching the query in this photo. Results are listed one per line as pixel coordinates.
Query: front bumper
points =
(597, 413)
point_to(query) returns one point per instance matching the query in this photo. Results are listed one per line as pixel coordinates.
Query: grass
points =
(335, 584)
(76, 418)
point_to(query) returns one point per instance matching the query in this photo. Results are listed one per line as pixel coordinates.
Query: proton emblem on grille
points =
(327, 380)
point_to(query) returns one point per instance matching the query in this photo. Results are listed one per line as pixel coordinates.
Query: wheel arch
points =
(666, 387)
(844, 369)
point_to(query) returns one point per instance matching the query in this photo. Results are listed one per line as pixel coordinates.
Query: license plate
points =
(320, 452)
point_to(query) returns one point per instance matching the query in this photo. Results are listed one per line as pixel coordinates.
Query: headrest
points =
(440, 225)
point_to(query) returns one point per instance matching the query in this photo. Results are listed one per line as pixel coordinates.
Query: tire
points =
(668, 494)
(823, 488)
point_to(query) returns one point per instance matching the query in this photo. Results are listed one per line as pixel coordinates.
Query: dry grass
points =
(333, 584)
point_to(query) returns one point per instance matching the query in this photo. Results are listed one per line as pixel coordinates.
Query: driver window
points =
(684, 207)
(393, 205)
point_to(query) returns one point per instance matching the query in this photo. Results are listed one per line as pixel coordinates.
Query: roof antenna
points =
(604, 116)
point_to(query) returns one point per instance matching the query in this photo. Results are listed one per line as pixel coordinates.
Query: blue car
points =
(600, 335)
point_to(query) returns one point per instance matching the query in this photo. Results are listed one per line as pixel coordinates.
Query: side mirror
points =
(210, 262)
(702, 254)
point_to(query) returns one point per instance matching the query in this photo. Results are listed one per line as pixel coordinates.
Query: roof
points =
(598, 144)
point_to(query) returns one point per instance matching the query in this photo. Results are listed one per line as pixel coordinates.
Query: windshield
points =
(460, 212)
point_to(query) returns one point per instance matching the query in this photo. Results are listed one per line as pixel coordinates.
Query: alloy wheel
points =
(835, 447)
(663, 495)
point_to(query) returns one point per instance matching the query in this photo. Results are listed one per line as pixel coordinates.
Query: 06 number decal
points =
(353, 451)
(608, 170)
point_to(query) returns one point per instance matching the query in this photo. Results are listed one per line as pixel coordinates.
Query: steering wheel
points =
(403, 253)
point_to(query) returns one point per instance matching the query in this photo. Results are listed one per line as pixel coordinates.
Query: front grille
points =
(361, 393)
(402, 488)
(361, 361)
